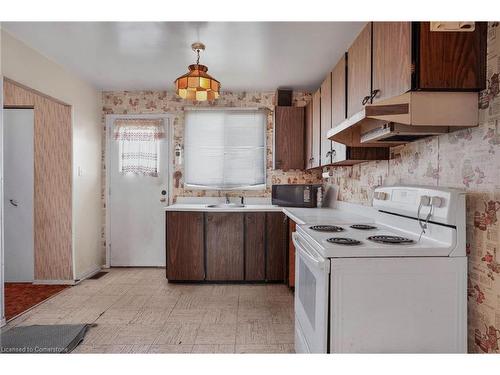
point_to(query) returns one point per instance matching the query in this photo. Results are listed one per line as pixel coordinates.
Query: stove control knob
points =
(380, 195)
(437, 202)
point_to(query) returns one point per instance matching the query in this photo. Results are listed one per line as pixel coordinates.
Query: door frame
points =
(2, 294)
(169, 129)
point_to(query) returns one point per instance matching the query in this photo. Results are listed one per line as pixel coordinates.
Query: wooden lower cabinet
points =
(276, 244)
(255, 246)
(291, 254)
(224, 246)
(227, 246)
(185, 246)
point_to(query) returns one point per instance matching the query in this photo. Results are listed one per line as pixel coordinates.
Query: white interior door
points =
(18, 194)
(136, 212)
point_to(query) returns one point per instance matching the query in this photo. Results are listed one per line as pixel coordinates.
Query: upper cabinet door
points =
(309, 135)
(289, 138)
(326, 120)
(451, 60)
(391, 59)
(316, 129)
(359, 71)
(339, 87)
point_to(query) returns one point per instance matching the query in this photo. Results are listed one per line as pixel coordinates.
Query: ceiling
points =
(243, 56)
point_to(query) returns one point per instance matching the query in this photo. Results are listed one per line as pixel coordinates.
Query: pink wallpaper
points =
(467, 159)
(141, 102)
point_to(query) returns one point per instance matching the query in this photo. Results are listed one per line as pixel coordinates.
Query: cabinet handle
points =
(329, 153)
(374, 94)
(365, 99)
(334, 153)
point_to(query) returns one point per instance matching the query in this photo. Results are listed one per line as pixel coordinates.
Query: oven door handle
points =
(302, 249)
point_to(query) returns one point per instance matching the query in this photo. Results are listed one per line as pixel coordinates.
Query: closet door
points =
(18, 165)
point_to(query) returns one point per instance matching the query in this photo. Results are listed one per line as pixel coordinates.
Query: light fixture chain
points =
(198, 58)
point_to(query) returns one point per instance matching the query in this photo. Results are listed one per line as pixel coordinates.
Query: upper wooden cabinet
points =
(359, 71)
(326, 120)
(316, 129)
(308, 140)
(313, 131)
(450, 60)
(339, 91)
(406, 81)
(289, 138)
(391, 59)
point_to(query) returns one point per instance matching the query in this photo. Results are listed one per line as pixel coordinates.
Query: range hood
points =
(398, 133)
(408, 117)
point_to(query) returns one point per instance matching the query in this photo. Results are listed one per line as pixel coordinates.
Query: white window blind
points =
(225, 149)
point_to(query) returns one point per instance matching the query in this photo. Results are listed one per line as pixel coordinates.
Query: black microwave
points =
(295, 195)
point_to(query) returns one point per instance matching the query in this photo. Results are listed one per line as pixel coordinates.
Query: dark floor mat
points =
(98, 275)
(62, 338)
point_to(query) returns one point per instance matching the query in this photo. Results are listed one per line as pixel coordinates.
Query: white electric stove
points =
(393, 281)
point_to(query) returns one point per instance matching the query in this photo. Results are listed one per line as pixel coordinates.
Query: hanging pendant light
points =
(197, 84)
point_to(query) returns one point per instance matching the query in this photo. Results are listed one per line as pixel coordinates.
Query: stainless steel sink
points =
(226, 205)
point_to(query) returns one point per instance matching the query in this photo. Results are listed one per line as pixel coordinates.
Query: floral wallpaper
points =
(148, 102)
(467, 159)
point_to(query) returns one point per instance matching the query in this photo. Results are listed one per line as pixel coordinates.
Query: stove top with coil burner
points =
(393, 240)
(326, 228)
(363, 226)
(343, 241)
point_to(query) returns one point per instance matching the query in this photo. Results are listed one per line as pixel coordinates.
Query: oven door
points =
(311, 298)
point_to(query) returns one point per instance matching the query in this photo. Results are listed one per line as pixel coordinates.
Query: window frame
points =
(259, 187)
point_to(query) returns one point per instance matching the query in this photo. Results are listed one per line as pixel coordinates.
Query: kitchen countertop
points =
(297, 214)
(204, 208)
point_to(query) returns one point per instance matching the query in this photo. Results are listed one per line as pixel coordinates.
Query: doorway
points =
(18, 200)
(138, 189)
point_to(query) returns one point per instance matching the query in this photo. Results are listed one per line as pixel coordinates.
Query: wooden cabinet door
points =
(224, 246)
(276, 241)
(308, 141)
(359, 72)
(289, 138)
(339, 152)
(391, 59)
(185, 250)
(339, 92)
(255, 246)
(326, 120)
(316, 129)
(452, 60)
(291, 254)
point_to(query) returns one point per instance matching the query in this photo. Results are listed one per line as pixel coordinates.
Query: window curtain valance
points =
(139, 130)
(138, 144)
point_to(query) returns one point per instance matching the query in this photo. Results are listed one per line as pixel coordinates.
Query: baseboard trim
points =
(54, 282)
(89, 273)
